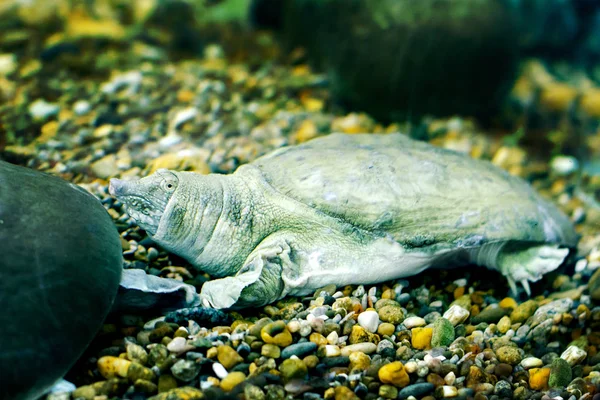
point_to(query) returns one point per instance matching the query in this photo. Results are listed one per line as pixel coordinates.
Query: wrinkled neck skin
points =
(211, 221)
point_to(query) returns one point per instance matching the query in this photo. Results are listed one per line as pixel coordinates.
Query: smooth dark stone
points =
(416, 390)
(298, 349)
(60, 268)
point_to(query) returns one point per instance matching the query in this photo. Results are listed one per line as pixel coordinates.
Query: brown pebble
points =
(503, 370)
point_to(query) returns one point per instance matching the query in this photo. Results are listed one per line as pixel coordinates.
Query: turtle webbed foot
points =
(522, 263)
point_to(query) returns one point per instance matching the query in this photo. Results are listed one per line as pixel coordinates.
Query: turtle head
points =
(146, 199)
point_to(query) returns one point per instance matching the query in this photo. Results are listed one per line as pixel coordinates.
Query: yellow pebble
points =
(110, 367)
(388, 294)
(590, 103)
(508, 302)
(538, 378)
(557, 96)
(276, 333)
(317, 338)
(344, 393)
(421, 338)
(385, 328)
(228, 356)
(394, 374)
(211, 353)
(359, 361)
(232, 380)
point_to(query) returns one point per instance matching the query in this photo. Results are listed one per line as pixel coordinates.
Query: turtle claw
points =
(525, 284)
(526, 263)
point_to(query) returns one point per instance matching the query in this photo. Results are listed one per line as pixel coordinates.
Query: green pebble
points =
(137, 353)
(490, 315)
(391, 313)
(560, 373)
(271, 351)
(443, 333)
(463, 301)
(145, 386)
(388, 391)
(292, 368)
(509, 355)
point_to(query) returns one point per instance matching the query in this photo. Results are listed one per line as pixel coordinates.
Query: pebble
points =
(560, 373)
(391, 313)
(414, 322)
(394, 374)
(416, 390)
(594, 285)
(489, 315)
(219, 370)
(228, 357)
(443, 333)
(8, 64)
(447, 392)
(523, 311)
(369, 320)
(366, 348)
(531, 362)
(456, 315)
(388, 391)
(509, 355)
(421, 338)
(40, 109)
(386, 329)
(292, 368)
(359, 361)
(573, 355)
(232, 380)
(276, 333)
(564, 165)
(185, 370)
(538, 378)
(298, 349)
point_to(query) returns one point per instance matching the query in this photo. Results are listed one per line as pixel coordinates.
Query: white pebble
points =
(366, 347)
(41, 109)
(531, 362)
(293, 326)
(413, 322)
(219, 370)
(8, 64)
(449, 391)
(305, 328)
(450, 378)
(564, 165)
(573, 355)
(369, 320)
(332, 338)
(411, 367)
(462, 282)
(81, 107)
(359, 291)
(184, 116)
(177, 345)
(456, 315)
(332, 351)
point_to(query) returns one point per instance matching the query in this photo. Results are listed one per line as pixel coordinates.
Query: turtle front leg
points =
(522, 263)
(258, 282)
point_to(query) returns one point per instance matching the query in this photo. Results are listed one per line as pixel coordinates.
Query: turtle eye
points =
(169, 184)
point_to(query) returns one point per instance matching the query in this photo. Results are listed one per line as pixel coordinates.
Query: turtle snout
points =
(116, 187)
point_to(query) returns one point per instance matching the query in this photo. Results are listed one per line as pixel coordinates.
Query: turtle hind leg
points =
(524, 262)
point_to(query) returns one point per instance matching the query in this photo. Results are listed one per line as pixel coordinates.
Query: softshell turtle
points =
(60, 267)
(347, 209)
